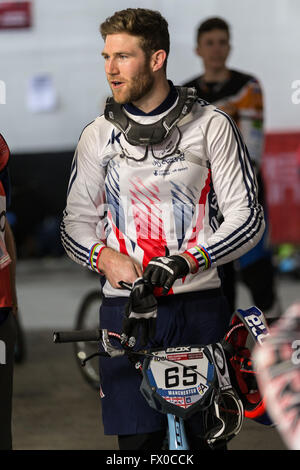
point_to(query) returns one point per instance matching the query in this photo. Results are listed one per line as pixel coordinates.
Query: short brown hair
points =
(213, 23)
(149, 25)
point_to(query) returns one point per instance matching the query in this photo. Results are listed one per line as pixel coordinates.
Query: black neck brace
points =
(150, 134)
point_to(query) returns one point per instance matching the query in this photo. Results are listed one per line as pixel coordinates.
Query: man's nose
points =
(218, 46)
(111, 67)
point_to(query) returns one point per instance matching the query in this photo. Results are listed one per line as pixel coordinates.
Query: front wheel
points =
(87, 318)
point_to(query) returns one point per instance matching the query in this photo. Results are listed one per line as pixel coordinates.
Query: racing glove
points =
(140, 313)
(162, 271)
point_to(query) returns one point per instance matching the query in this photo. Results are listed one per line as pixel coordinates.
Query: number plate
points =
(178, 379)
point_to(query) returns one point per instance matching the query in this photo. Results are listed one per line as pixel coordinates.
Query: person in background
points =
(8, 303)
(240, 96)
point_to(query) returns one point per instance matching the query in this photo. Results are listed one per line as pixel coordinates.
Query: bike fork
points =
(177, 434)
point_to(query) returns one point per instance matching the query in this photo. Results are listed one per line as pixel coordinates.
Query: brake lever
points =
(125, 285)
(108, 347)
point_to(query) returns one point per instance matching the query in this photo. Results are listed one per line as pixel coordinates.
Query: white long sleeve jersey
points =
(140, 200)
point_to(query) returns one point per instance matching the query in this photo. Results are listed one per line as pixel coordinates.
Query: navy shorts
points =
(193, 318)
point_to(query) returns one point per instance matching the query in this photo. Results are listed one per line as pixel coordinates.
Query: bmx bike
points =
(183, 380)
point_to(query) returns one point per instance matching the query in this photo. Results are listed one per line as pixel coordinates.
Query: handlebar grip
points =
(76, 335)
(125, 285)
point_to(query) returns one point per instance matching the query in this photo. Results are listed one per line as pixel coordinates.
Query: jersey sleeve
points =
(235, 186)
(250, 120)
(83, 219)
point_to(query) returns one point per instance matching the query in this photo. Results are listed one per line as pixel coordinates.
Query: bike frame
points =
(176, 433)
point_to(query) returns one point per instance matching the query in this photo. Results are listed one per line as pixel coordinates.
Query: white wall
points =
(64, 42)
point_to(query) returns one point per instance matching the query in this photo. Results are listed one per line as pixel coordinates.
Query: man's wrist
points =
(191, 261)
(94, 256)
(201, 256)
(101, 259)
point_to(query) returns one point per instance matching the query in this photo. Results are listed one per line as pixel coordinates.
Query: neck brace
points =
(150, 134)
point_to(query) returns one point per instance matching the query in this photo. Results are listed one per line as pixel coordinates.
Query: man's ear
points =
(158, 59)
(198, 50)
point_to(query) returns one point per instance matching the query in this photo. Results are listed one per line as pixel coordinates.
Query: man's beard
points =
(137, 88)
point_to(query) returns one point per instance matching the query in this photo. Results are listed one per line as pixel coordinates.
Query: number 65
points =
(172, 376)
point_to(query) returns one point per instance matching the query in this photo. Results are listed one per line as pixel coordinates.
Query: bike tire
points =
(88, 317)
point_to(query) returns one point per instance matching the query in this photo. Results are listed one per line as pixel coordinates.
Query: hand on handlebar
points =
(140, 313)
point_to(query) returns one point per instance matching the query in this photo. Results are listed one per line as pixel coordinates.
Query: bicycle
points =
(205, 384)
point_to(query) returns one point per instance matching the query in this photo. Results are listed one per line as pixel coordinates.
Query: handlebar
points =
(76, 336)
(93, 335)
(104, 336)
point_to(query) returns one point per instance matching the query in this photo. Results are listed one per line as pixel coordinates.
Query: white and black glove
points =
(140, 313)
(162, 271)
